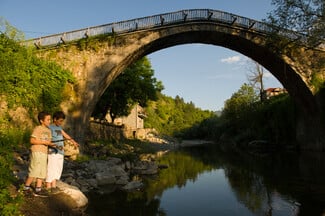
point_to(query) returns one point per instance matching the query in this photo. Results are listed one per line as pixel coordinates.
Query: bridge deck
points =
(150, 22)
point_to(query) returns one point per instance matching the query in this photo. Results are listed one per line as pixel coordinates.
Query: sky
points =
(206, 75)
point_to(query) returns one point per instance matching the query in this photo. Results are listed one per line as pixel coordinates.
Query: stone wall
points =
(100, 130)
(103, 130)
(17, 117)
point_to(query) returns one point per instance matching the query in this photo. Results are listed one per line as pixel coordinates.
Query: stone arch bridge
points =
(97, 55)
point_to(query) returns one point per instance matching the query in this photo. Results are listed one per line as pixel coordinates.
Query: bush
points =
(9, 205)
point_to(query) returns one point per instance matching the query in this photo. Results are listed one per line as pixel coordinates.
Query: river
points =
(202, 180)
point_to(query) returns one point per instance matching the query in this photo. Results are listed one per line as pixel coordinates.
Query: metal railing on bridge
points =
(183, 16)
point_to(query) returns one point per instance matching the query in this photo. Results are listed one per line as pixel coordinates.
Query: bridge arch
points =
(249, 44)
(97, 66)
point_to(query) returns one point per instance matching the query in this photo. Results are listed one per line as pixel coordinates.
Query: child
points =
(40, 140)
(56, 158)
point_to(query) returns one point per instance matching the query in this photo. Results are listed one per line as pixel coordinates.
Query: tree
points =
(174, 116)
(303, 16)
(135, 85)
(9, 31)
(255, 78)
(27, 80)
(239, 101)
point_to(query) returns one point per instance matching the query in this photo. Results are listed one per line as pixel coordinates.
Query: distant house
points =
(133, 123)
(131, 126)
(270, 92)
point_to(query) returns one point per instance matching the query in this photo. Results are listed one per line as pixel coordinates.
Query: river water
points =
(202, 180)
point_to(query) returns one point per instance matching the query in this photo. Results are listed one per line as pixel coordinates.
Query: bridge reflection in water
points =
(203, 180)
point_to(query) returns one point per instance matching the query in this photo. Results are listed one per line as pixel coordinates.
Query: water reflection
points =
(203, 180)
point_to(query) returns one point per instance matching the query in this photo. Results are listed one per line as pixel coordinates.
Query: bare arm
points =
(35, 141)
(66, 136)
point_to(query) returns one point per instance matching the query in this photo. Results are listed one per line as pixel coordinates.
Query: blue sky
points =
(204, 74)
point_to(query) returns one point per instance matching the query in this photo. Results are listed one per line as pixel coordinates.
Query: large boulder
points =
(77, 198)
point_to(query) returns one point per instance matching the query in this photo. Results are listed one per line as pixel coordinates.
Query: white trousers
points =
(54, 167)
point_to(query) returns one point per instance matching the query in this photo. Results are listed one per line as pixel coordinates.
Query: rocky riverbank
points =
(79, 178)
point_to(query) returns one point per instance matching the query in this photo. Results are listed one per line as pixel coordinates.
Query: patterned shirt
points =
(57, 137)
(41, 133)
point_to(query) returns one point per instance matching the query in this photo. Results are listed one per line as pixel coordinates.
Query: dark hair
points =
(59, 115)
(42, 115)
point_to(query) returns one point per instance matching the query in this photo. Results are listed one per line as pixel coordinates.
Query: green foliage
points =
(82, 158)
(210, 128)
(245, 119)
(10, 31)
(135, 85)
(94, 42)
(240, 101)
(29, 81)
(303, 16)
(317, 81)
(8, 141)
(280, 113)
(173, 116)
(272, 120)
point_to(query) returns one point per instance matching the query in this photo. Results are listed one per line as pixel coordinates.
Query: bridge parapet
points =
(149, 22)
